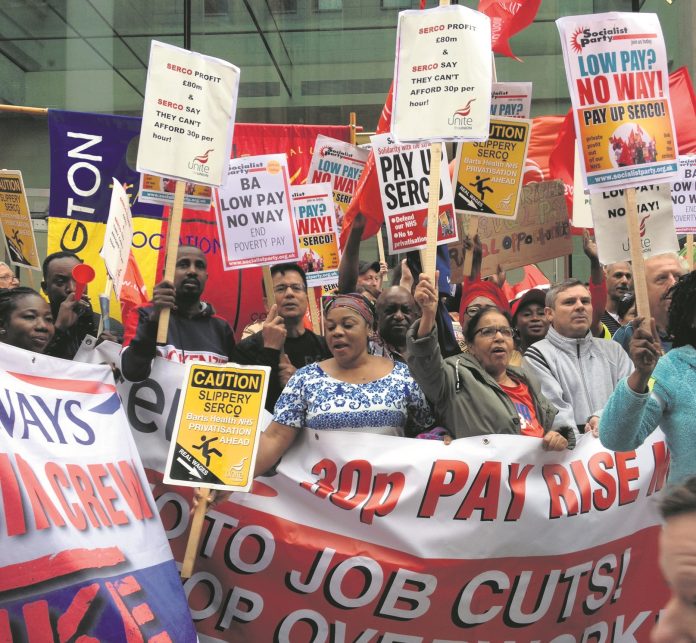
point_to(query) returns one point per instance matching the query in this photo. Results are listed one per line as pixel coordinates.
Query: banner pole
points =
(34, 111)
(353, 127)
(380, 245)
(428, 255)
(268, 286)
(195, 533)
(690, 251)
(314, 309)
(172, 251)
(639, 284)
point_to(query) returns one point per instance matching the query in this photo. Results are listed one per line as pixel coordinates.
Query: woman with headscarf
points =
(352, 391)
(25, 319)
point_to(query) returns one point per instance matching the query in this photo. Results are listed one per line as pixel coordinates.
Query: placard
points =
(512, 100)
(341, 164)
(118, 236)
(684, 196)
(159, 190)
(582, 213)
(488, 175)
(254, 215)
(616, 66)
(403, 172)
(16, 221)
(188, 115)
(655, 220)
(317, 232)
(443, 75)
(541, 231)
(216, 431)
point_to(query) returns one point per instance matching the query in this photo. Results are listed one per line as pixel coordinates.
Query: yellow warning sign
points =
(16, 221)
(216, 432)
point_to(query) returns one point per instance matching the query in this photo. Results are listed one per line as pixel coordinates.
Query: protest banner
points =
(684, 196)
(220, 405)
(317, 232)
(437, 96)
(118, 237)
(340, 163)
(160, 191)
(656, 227)
(616, 67)
(83, 555)
(582, 212)
(513, 100)
(488, 176)
(188, 115)
(541, 231)
(477, 540)
(254, 217)
(16, 221)
(404, 182)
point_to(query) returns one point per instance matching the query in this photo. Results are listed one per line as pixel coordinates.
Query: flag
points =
(507, 19)
(133, 295)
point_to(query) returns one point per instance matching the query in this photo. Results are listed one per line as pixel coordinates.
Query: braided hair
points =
(682, 311)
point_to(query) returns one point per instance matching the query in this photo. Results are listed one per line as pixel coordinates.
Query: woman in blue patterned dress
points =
(352, 391)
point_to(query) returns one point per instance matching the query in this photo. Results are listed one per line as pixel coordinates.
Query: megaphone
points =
(82, 274)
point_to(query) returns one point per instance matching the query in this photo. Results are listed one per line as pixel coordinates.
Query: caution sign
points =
(217, 426)
(16, 221)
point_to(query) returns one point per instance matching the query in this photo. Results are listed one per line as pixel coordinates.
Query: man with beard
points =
(396, 311)
(195, 332)
(577, 372)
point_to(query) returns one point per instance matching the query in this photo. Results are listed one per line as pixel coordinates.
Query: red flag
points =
(133, 295)
(507, 19)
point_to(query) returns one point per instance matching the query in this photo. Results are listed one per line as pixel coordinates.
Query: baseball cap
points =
(364, 266)
(531, 296)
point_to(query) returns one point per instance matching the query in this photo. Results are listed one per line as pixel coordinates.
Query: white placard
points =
(513, 100)
(443, 75)
(684, 196)
(118, 236)
(188, 115)
(254, 216)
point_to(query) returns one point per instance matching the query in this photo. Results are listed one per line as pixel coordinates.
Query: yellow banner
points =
(16, 221)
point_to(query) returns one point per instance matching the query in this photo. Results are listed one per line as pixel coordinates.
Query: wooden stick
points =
(314, 309)
(353, 127)
(428, 255)
(690, 251)
(268, 285)
(172, 251)
(34, 111)
(639, 284)
(31, 278)
(380, 246)
(194, 535)
(472, 224)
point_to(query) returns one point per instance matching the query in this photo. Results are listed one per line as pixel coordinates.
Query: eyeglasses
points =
(490, 331)
(281, 288)
(6, 278)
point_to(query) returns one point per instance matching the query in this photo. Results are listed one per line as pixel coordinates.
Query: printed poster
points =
(254, 215)
(488, 175)
(655, 223)
(442, 75)
(160, 191)
(684, 196)
(341, 164)
(118, 237)
(16, 221)
(513, 100)
(188, 115)
(216, 431)
(616, 67)
(403, 172)
(317, 232)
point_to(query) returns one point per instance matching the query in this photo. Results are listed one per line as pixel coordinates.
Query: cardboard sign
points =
(616, 66)
(513, 100)
(684, 196)
(655, 219)
(254, 215)
(188, 115)
(403, 172)
(541, 231)
(341, 164)
(216, 428)
(160, 191)
(16, 221)
(443, 75)
(488, 175)
(118, 236)
(317, 232)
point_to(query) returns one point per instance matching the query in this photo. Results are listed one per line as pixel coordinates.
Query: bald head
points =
(396, 310)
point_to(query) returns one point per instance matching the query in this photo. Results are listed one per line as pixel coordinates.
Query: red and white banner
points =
(83, 556)
(393, 539)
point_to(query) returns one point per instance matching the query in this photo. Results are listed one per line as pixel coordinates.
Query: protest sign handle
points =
(104, 299)
(194, 535)
(353, 127)
(380, 246)
(268, 286)
(471, 231)
(639, 284)
(690, 251)
(314, 310)
(31, 277)
(172, 251)
(428, 255)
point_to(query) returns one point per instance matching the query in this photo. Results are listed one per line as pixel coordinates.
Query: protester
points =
(478, 392)
(626, 309)
(661, 273)
(396, 310)
(598, 290)
(619, 278)
(284, 343)
(352, 391)
(677, 620)
(74, 320)
(529, 318)
(577, 371)
(8, 279)
(26, 320)
(195, 332)
(634, 410)
(355, 275)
